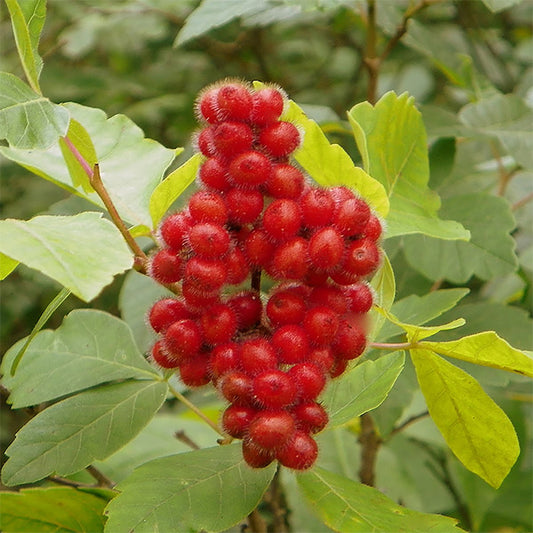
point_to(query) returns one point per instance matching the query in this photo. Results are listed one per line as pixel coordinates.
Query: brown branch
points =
(101, 478)
(256, 280)
(275, 499)
(371, 61)
(370, 443)
(522, 202)
(256, 523)
(183, 437)
(68, 482)
(407, 423)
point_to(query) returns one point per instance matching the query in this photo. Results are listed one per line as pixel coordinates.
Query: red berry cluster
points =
(255, 212)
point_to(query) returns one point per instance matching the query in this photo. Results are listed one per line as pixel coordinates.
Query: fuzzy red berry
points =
(280, 138)
(338, 368)
(274, 389)
(255, 456)
(258, 355)
(290, 260)
(351, 216)
(299, 453)
(244, 206)
(248, 308)
(162, 357)
(310, 417)
(214, 173)
(321, 324)
(282, 219)
(236, 420)
(197, 298)
(237, 266)
(286, 307)
(175, 229)
(323, 358)
(350, 341)
(206, 105)
(224, 359)
(165, 312)
(285, 181)
(331, 297)
(291, 343)
(205, 141)
(183, 339)
(317, 207)
(271, 429)
(267, 106)
(359, 297)
(236, 387)
(234, 102)
(206, 275)
(232, 138)
(309, 380)
(208, 206)
(341, 194)
(218, 324)
(195, 372)
(209, 240)
(326, 248)
(166, 266)
(373, 228)
(362, 257)
(259, 247)
(250, 169)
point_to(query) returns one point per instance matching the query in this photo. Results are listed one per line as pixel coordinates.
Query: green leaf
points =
(7, 265)
(27, 19)
(384, 286)
(441, 160)
(211, 489)
(90, 347)
(329, 165)
(477, 431)
(27, 119)
(54, 510)
(418, 310)
(82, 252)
(489, 253)
(393, 144)
(350, 507)
(214, 13)
(362, 389)
(500, 5)
(78, 140)
(486, 349)
(131, 165)
(71, 434)
(167, 192)
(507, 118)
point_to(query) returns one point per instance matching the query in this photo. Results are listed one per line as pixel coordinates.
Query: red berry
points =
(165, 312)
(326, 248)
(258, 247)
(300, 452)
(234, 102)
(310, 417)
(209, 240)
(341, 194)
(321, 325)
(350, 341)
(237, 266)
(274, 389)
(338, 368)
(362, 257)
(225, 358)
(267, 106)
(359, 297)
(290, 260)
(280, 138)
(236, 387)
(291, 343)
(315, 278)
(162, 357)
(197, 298)
(183, 339)
(329, 296)
(236, 420)
(207, 275)
(244, 206)
(343, 277)
(218, 323)
(195, 372)
(175, 229)
(271, 429)
(205, 141)
(285, 181)
(286, 307)
(309, 380)
(248, 308)
(214, 173)
(258, 355)
(373, 228)
(255, 456)
(166, 266)
(232, 138)
(317, 207)
(250, 169)
(323, 358)
(208, 206)
(206, 105)
(351, 217)
(282, 219)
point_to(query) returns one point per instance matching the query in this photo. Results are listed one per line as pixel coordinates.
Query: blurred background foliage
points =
(148, 59)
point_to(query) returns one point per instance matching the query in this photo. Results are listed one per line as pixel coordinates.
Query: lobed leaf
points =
(477, 431)
(71, 434)
(362, 389)
(54, 510)
(82, 252)
(350, 507)
(486, 349)
(90, 347)
(393, 144)
(210, 490)
(28, 120)
(27, 19)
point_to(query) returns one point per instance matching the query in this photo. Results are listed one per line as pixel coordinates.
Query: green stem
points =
(393, 345)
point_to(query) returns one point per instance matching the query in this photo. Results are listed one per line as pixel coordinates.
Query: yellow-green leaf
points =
(384, 285)
(7, 265)
(474, 427)
(486, 349)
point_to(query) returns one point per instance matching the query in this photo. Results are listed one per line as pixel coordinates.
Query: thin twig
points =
(68, 482)
(407, 423)
(183, 437)
(195, 409)
(101, 478)
(370, 443)
(256, 280)
(392, 345)
(522, 202)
